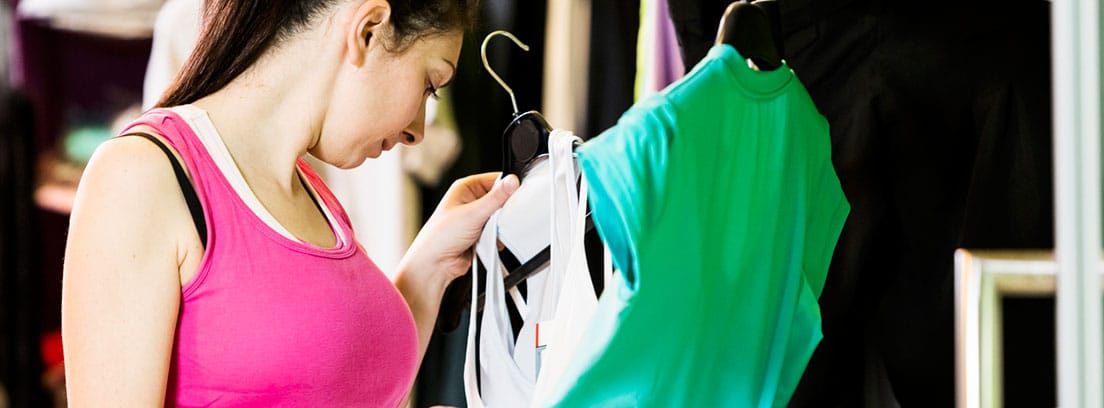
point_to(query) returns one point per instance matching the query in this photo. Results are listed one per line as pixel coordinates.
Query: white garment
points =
(46, 8)
(120, 18)
(560, 299)
(518, 230)
(174, 36)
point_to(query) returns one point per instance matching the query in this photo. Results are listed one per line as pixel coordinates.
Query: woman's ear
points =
(369, 19)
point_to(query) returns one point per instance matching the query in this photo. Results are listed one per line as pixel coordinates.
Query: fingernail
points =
(510, 183)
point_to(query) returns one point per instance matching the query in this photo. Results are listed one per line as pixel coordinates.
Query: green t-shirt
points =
(718, 200)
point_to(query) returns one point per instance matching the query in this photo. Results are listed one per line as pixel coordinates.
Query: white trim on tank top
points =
(204, 128)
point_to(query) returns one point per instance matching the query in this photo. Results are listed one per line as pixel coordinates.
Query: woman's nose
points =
(414, 133)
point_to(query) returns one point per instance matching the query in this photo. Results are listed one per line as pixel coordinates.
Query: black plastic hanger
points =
(526, 137)
(524, 142)
(753, 28)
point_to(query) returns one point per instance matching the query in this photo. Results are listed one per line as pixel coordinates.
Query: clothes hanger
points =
(526, 137)
(524, 143)
(753, 28)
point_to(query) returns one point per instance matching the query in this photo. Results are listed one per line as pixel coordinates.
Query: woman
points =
(254, 293)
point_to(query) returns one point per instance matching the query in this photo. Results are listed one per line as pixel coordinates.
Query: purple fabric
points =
(668, 61)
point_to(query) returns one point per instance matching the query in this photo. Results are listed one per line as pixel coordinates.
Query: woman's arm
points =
(442, 250)
(121, 285)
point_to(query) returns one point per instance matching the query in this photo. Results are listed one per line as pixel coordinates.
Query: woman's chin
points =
(355, 162)
(372, 153)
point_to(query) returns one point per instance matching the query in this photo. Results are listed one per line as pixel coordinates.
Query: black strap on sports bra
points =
(185, 187)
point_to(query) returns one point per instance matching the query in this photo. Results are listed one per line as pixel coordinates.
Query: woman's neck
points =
(269, 116)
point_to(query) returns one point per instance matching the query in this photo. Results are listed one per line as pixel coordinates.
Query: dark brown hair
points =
(237, 32)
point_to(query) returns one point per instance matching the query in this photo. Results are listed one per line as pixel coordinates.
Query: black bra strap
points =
(185, 187)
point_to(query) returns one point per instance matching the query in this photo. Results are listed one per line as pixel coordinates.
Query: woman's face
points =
(381, 102)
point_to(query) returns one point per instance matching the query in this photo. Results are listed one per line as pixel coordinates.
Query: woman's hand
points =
(442, 250)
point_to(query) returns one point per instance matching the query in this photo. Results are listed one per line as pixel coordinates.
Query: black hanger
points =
(524, 142)
(526, 137)
(753, 28)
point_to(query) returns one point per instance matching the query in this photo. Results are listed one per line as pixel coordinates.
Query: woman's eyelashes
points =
(431, 91)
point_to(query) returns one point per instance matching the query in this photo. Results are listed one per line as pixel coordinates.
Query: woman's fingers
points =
(486, 204)
(471, 188)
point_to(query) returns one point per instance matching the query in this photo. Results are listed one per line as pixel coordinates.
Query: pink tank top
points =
(271, 321)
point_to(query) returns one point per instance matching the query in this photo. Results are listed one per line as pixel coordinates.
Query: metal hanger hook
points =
(487, 65)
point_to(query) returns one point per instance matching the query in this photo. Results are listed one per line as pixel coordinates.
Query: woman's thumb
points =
(497, 197)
